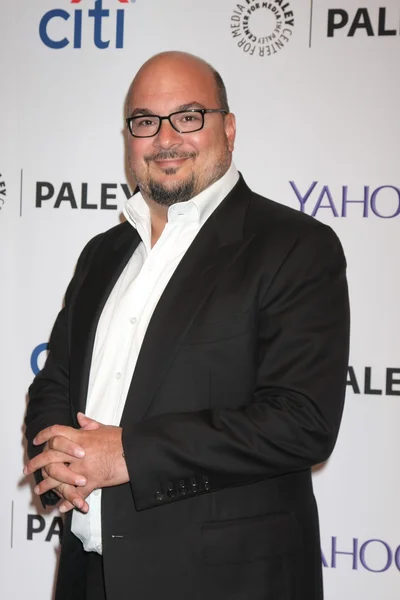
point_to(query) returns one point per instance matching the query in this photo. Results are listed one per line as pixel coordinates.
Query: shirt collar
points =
(197, 209)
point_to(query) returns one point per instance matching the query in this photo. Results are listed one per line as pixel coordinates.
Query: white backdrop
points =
(317, 110)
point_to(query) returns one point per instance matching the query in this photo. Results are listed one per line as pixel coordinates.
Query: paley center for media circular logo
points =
(262, 28)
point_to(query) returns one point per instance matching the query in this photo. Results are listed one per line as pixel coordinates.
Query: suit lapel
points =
(109, 263)
(218, 244)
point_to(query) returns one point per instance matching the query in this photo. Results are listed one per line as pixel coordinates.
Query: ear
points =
(230, 130)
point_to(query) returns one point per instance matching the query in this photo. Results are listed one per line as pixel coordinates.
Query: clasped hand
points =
(74, 462)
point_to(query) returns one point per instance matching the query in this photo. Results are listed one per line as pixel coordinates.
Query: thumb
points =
(87, 423)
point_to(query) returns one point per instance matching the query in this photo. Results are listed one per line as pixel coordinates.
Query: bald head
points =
(182, 131)
(175, 61)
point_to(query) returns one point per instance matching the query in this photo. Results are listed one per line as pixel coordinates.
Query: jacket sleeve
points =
(49, 401)
(293, 420)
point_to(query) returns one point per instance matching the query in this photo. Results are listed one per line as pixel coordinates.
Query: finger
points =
(63, 444)
(75, 500)
(50, 484)
(91, 426)
(64, 474)
(87, 423)
(44, 474)
(46, 485)
(73, 496)
(65, 506)
(46, 434)
(44, 459)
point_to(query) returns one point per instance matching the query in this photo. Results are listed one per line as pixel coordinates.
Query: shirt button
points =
(133, 321)
(118, 376)
(96, 492)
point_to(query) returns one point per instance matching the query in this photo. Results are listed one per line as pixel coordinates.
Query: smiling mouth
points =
(171, 163)
(169, 159)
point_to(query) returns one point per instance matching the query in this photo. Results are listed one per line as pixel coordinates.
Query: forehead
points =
(164, 87)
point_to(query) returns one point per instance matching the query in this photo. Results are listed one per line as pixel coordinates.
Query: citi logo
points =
(59, 28)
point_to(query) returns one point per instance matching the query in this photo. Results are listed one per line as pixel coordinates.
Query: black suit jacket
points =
(238, 391)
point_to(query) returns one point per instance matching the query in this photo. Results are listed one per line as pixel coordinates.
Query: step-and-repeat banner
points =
(315, 88)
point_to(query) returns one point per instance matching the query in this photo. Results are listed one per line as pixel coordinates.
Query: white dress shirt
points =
(127, 313)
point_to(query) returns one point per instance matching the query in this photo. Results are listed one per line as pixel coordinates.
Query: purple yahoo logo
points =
(374, 555)
(345, 201)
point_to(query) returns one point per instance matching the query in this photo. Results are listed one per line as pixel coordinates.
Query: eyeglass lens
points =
(183, 122)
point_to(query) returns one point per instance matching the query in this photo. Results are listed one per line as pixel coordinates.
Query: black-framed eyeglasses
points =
(183, 121)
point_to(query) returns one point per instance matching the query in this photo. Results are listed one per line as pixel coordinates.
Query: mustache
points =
(169, 155)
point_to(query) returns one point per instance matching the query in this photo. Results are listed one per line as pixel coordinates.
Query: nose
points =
(167, 137)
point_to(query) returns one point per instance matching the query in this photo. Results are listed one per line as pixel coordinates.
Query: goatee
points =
(181, 191)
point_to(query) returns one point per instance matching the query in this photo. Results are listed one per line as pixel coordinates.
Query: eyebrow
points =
(147, 111)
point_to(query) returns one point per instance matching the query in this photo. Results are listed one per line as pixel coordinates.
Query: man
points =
(206, 341)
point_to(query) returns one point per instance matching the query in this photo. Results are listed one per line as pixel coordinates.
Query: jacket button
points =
(194, 485)
(159, 497)
(183, 489)
(206, 483)
(172, 492)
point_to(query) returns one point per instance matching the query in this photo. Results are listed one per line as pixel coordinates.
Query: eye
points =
(144, 122)
(188, 118)
(191, 117)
